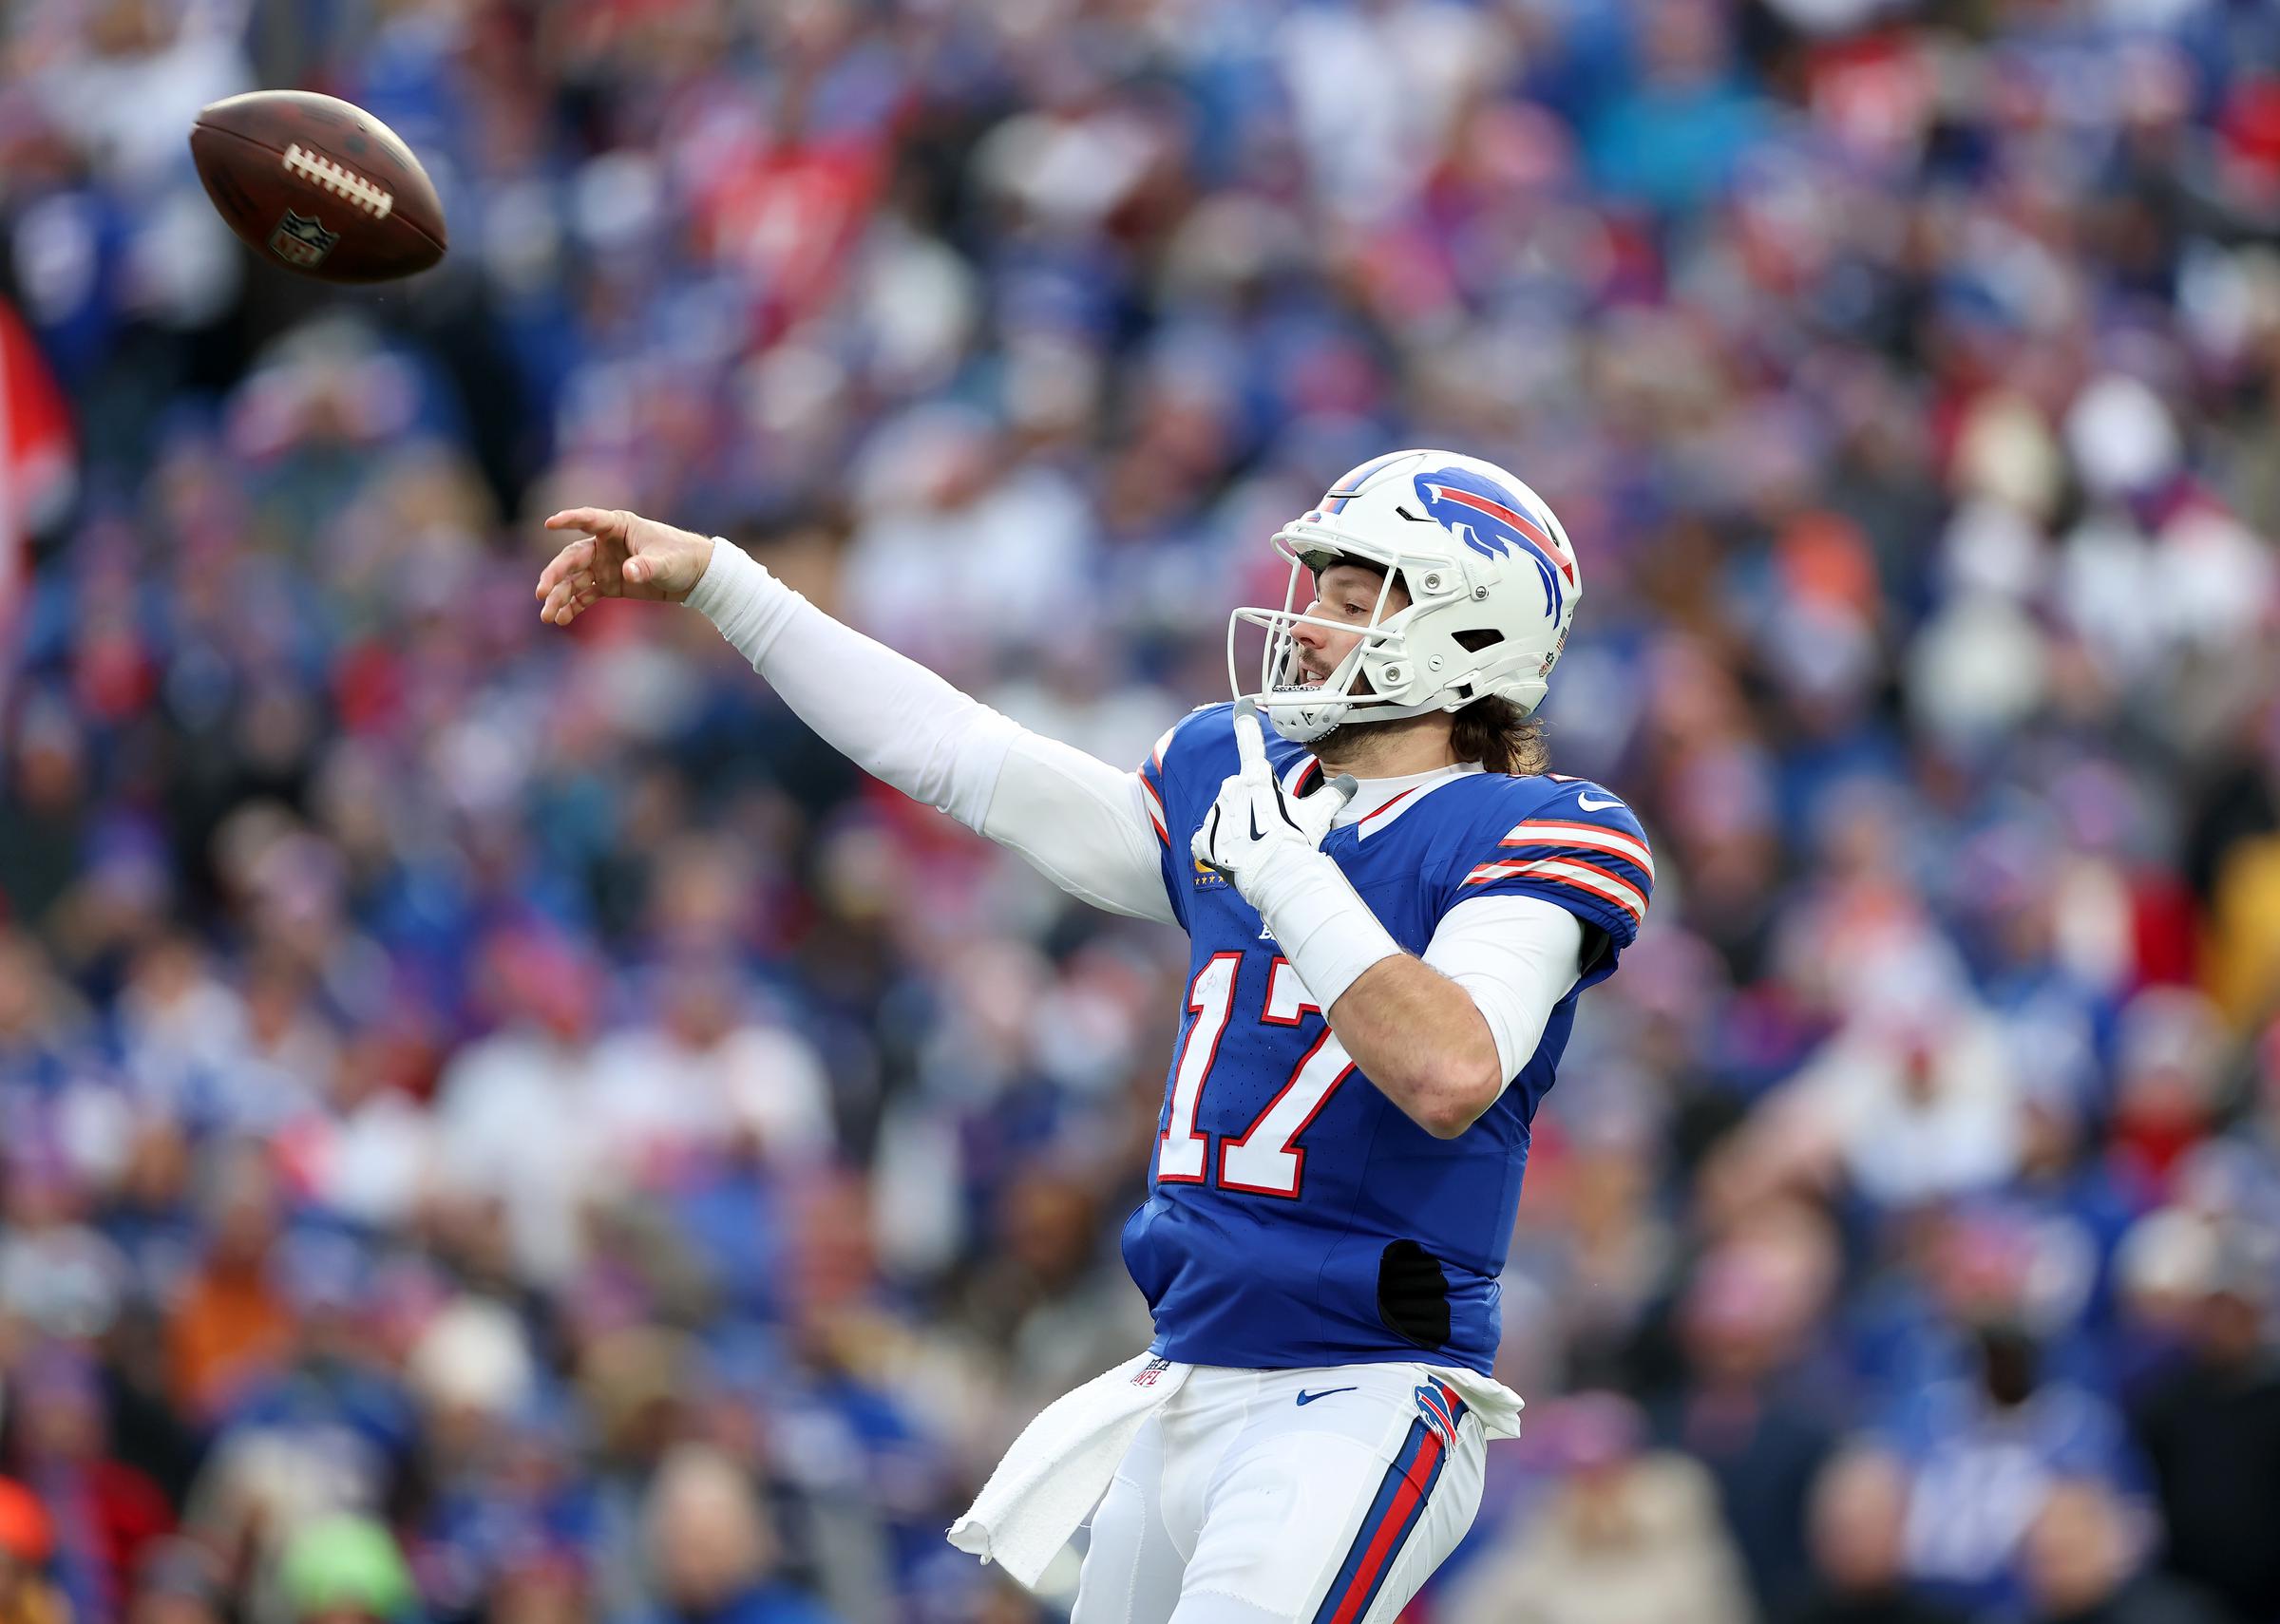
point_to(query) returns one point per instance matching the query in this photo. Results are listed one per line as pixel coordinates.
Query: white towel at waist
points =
(1496, 1404)
(1060, 1467)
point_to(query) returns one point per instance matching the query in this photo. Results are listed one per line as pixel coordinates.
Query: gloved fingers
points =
(1201, 847)
(1250, 742)
(1318, 811)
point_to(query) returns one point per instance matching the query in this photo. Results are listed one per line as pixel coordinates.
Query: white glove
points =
(1270, 846)
(1254, 826)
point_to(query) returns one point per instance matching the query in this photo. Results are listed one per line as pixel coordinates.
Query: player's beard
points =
(1359, 740)
(1349, 739)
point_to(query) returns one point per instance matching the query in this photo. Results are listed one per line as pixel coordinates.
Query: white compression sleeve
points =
(1518, 956)
(1078, 820)
(1081, 824)
(889, 715)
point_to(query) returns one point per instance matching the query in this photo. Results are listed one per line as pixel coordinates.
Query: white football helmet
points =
(1491, 583)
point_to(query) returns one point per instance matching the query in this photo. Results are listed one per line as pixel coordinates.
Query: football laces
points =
(319, 170)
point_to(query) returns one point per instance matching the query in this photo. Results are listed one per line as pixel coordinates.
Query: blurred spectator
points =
(345, 1570)
(1047, 1297)
(2211, 1433)
(27, 1540)
(701, 1075)
(713, 1556)
(1631, 1533)
(1744, 1412)
(106, 1511)
(2084, 1562)
(534, 1068)
(1918, 1097)
(178, 1581)
(1982, 1452)
(1857, 1528)
(2172, 1043)
(41, 822)
(232, 1323)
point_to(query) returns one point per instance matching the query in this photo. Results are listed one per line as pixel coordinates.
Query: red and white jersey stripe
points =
(1609, 864)
(1582, 876)
(1155, 809)
(1587, 837)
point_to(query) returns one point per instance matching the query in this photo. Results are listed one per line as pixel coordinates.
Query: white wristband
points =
(1320, 923)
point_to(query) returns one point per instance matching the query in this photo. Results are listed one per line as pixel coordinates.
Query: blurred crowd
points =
(502, 1127)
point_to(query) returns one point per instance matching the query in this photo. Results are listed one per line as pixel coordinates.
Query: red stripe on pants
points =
(1389, 1529)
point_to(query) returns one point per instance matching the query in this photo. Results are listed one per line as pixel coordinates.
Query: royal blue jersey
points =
(1295, 1217)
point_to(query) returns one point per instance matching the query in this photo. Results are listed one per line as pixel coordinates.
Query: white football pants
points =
(1285, 1497)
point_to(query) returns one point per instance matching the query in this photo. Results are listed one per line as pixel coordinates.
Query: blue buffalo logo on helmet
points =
(1493, 522)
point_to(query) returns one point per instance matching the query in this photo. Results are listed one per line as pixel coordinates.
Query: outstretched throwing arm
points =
(1081, 822)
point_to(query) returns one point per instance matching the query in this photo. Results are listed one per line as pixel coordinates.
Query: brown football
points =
(319, 186)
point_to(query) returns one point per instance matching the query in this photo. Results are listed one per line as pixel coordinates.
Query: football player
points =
(1392, 909)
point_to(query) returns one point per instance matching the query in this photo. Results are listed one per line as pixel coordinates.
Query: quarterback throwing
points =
(1392, 910)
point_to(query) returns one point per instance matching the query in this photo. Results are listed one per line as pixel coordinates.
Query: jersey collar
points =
(1379, 800)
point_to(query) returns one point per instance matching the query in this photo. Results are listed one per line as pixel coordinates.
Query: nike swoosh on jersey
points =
(1590, 805)
(1306, 1397)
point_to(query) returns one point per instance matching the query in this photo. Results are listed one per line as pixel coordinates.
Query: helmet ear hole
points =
(1478, 639)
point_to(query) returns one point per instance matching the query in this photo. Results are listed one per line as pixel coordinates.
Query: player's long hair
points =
(1492, 731)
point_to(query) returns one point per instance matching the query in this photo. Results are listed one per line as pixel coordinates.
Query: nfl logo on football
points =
(302, 241)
